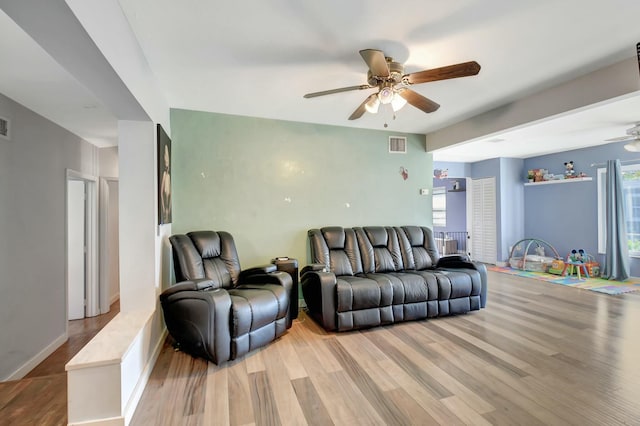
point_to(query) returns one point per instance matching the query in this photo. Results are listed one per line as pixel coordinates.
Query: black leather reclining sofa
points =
(368, 276)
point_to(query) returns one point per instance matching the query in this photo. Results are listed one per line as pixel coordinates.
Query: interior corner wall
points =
(267, 182)
(108, 161)
(511, 204)
(565, 215)
(32, 225)
(137, 221)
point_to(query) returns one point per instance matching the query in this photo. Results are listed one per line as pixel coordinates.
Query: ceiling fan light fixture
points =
(386, 95)
(372, 104)
(397, 102)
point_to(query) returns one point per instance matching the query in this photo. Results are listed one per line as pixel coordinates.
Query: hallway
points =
(40, 398)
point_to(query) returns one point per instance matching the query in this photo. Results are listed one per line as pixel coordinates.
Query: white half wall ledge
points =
(100, 389)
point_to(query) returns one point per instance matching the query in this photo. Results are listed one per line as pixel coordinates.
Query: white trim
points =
(92, 287)
(104, 300)
(602, 242)
(38, 358)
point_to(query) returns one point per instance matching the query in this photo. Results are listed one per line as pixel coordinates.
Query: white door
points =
(481, 219)
(76, 260)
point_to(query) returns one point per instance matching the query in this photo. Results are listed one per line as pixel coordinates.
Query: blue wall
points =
(455, 170)
(456, 205)
(566, 214)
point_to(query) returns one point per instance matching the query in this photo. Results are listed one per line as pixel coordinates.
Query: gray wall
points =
(267, 181)
(32, 226)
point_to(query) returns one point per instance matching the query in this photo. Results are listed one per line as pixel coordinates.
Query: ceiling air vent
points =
(4, 128)
(398, 144)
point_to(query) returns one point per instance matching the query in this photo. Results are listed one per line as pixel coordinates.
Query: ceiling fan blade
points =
(464, 69)
(361, 109)
(376, 62)
(419, 101)
(342, 89)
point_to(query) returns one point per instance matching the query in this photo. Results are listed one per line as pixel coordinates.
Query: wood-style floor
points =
(539, 354)
(40, 398)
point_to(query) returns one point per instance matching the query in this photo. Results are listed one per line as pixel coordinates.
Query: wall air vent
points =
(4, 128)
(398, 144)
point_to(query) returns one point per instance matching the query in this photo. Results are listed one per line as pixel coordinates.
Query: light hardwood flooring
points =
(40, 398)
(539, 354)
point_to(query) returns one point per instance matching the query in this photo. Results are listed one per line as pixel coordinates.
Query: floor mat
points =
(594, 284)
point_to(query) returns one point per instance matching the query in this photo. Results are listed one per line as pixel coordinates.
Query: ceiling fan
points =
(632, 136)
(393, 85)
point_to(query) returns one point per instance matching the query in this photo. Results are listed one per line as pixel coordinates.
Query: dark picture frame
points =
(164, 176)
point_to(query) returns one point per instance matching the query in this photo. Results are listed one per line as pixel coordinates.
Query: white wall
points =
(108, 158)
(32, 226)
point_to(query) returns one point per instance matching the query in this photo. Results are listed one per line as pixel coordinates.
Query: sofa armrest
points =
(319, 292)
(316, 267)
(453, 258)
(199, 320)
(453, 262)
(275, 277)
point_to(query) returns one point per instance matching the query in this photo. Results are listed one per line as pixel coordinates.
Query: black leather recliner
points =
(216, 310)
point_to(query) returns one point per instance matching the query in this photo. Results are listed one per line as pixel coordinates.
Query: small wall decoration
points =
(440, 173)
(404, 173)
(164, 176)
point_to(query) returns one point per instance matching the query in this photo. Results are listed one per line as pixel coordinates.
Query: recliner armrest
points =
(276, 277)
(191, 285)
(257, 270)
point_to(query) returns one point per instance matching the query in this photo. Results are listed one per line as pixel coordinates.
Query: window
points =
(439, 206)
(631, 194)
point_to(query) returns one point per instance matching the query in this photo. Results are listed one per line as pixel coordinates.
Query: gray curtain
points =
(616, 260)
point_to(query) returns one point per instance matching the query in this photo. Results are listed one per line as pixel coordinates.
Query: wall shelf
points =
(457, 190)
(549, 182)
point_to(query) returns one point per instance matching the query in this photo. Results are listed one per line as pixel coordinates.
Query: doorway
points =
(482, 219)
(81, 245)
(109, 243)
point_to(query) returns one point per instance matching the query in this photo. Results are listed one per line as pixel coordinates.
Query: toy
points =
(569, 172)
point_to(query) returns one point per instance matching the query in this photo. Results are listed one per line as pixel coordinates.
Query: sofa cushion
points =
(355, 293)
(258, 316)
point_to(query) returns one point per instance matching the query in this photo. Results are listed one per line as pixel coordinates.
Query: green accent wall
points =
(268, 181)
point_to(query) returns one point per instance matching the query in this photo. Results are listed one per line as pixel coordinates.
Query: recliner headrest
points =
(207, 243)
(377, 235)
(415, 235)
(334, 236)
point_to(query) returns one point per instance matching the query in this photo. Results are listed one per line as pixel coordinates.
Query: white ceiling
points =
(259, 59)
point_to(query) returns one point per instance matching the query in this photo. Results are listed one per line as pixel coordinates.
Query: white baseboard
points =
(114, 298)
(114, 421)
(41, 356)
(502, 264)
(144, 378)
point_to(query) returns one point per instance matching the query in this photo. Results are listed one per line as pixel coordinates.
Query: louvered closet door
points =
(481, 219)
